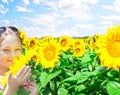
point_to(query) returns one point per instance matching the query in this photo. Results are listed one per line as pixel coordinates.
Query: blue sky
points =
(74, 18)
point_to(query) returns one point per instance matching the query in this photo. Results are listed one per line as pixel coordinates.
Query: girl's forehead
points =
(10, 40)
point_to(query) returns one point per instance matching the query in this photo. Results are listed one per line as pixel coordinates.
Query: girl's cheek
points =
(3, 58)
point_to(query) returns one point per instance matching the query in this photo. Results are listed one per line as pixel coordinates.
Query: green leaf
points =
(79, 87)
(83, 76)
(1, 92)
(21, 91)
(62, 91)
(46, 77)
(113, 88)
(79, 77)
(85, 59)
(101, 71)
(113, 73)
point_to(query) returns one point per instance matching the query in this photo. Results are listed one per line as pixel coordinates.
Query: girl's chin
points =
(9, 64)
(4, 71)
(7, 69)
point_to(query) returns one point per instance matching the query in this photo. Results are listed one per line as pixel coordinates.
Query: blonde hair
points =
(9, 31)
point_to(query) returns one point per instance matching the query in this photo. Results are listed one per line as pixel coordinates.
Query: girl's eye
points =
(6, 50)
(19, 49)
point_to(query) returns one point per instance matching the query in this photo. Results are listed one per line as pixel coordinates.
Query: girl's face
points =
(10, 47)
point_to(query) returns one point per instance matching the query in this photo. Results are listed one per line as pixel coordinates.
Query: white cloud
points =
(7, 1)
(102, 29)
(116, 5)
(74, 5)
(62, 11)
(32, 31)
(44, 19)
(84, 27)
(71, 9)
(110, 17)
(27, 2)
(5, 22)
(92, 2)
(107, 7)
(43, 24)
(84, 30)
(1, 7)
(22, 9)
(39, 32)
(16, 22)
(72, 32)
(37, 1)
(76, 15)
(3, 10)
(53, 5)
(74, 9)
(106, 22)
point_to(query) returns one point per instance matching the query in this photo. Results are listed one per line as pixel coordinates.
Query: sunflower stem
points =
(119, 74)
(55, 82)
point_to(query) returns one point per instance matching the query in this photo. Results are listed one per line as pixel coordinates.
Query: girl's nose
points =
(12, 53)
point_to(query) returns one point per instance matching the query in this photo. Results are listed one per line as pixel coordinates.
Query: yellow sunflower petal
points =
(109, 48)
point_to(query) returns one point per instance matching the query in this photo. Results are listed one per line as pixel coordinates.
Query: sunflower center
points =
(32, 43)
(77, 50)
(114, 48)
(49, 53)
(77, 43)
(63, 43)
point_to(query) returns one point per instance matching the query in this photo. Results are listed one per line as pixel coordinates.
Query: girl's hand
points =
(21, 77)
(32, 88)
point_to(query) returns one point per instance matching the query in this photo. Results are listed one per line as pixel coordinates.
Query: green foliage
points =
(113, 87)
(77, 76)
(46, 77)
(1, 92)
(21, 91)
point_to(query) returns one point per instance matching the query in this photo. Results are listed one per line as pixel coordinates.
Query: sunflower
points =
(78, 42)
(36, 58)
(89, 42)
(33, 43)
(49, 53)
(109, 48)
(47, 38)
(24, 39)
(65, 42)
(14, 69)
(18, 63)
(79, 50)
(96, 37)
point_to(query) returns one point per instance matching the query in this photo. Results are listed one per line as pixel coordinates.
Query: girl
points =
(10, 47)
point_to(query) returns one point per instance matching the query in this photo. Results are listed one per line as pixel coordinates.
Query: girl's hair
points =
(5, 31)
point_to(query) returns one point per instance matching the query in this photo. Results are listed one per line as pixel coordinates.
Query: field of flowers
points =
(72, 66)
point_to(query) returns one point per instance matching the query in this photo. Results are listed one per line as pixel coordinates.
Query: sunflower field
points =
(72, 66)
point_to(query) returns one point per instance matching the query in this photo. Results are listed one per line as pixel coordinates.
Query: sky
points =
(74, 18)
